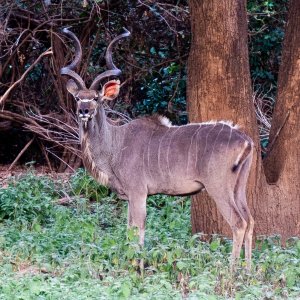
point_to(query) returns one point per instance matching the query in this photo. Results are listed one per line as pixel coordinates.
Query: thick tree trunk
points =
(219, 84)
(282, 166)
(219, 87)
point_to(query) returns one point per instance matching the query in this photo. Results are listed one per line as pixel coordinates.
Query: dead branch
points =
(65, 201)
(5, 125)
(20, 154)
(60, 159)
(5, 95)
(58, 136)
(45, 155)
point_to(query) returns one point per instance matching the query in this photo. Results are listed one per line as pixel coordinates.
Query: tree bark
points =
(282, 166)
(219, 87)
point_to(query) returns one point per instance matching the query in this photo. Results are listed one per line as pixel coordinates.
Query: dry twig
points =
(5, 95)
(20, 154)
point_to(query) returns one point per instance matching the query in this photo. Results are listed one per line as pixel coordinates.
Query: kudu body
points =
(150, 156)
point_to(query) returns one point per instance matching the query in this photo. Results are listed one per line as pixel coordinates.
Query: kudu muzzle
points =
(86, 109)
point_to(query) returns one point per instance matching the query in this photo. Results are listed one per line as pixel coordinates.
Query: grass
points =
(83, 250)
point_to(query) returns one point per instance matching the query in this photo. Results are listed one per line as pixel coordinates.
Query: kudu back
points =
(149, 155)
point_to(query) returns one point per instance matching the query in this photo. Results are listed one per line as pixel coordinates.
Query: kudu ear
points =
(72, 87)
(110, 90)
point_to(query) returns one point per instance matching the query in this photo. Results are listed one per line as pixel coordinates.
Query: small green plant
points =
(83, 184)
(27, 200)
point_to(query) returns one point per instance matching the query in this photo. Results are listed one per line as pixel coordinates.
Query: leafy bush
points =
(27, 200)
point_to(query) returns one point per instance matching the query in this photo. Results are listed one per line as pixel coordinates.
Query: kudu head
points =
(88, 99)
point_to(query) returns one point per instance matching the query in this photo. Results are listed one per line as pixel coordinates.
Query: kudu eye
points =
(80, 111)
(86, 111)
(77, 98)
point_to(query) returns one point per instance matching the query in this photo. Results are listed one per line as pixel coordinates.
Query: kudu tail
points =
(245, 152)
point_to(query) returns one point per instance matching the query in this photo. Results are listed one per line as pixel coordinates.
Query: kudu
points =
(149, 155)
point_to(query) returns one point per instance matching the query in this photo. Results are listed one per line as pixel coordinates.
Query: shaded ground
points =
(6, 175)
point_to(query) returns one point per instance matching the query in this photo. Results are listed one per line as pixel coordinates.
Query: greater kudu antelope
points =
(149, 155)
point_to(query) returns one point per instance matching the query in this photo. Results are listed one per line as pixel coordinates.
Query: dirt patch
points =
(17, 171)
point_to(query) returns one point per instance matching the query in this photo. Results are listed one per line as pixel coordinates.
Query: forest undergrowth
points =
(69, 240)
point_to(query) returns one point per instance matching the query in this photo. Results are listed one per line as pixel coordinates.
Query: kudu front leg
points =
(241, 202)
(137, 218)
(137, 215)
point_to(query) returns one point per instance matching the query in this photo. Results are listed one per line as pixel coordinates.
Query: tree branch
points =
(5, 95)
(20, 154)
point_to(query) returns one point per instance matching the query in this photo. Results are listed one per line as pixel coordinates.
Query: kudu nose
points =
(84, 112)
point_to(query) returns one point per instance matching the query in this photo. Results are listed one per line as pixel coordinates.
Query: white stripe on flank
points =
(237, 161)
(159, 146)
(191, 143)
(213, 148)
(168, 150)
(203, 154)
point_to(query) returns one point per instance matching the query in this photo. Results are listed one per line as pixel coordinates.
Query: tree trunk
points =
(219, 88)
(282, 165)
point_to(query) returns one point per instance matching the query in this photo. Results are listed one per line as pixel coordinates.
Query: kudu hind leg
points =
(241, 202)
(227, 207)
(243, 207)
(238, 225)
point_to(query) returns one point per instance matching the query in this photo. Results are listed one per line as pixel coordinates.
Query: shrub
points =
(27, 200)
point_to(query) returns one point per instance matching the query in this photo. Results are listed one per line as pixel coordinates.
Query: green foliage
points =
(36, 74)
(266, 32)
(164, 93)
(84, 185)
(83, 251)
(28, 200)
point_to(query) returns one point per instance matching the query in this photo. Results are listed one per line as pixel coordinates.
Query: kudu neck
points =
(96, 139)
(96, 130)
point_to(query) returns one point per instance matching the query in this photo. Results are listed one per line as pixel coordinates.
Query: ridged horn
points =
(69, 69)
(113, 70)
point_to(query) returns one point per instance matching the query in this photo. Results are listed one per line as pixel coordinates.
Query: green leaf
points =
(291, 277)
(214, 245)
(180, 265)
(126, 289)
(152, 50)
